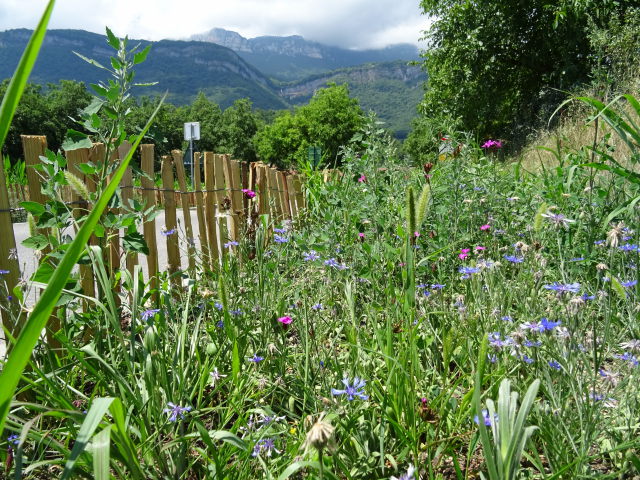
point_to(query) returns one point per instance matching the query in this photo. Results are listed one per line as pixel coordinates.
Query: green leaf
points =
(101, 454)
(99, 407)
(34, 208)
(30, 333)
(20, 76)
(91, 61)
(135, 242)
(112, 39)
(36, 242)
(76, 140)
(87, 168)
(141, 56)
(229, 438)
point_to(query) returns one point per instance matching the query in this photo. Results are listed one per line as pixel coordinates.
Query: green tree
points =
(239, 126)
(209, 115)
(329, 121)
(495, 65)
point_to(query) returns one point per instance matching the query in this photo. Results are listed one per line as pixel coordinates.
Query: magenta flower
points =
(464, 253)
(479, 248)
(248, 193)
(286, 320)
(485, 227)
(492, 144)
(362, 178)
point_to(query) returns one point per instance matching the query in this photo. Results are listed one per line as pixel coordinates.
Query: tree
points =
(494, 65)
(209, 115)
(329, 121)
(239, 126)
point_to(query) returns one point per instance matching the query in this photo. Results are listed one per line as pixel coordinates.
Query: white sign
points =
(192, 131)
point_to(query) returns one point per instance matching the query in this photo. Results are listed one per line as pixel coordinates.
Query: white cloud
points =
(347, 23)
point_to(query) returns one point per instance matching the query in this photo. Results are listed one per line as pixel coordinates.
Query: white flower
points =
(215, 376)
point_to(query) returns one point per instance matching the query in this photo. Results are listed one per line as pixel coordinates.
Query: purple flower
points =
(548, 325)
(563, 288)
(218, 305)
(166, 232)
(266, 446)
(533, 326)
(437, 286)
(331, 263)
(586, 297)
(220, 324)
(352, 390)
(176, 410)
(318, 306)
(236, 313)
(627, 357)
(248, 193)
(496, 341)
(486, 418)
(310, 256)
(148, 314)
(506, 318)
(280, 239)
(630, 283)
(406, 476)
(256, 358)
(628, 247)
(4, 272)
(598, 242)
(555, 365)
(280, 230)
(531, 343)
(514, 259)
(527, 359)
(231, 244)
(13, 440)
(467, 271)
(492, 144)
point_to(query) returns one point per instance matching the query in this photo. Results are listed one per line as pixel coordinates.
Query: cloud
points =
(346, 23)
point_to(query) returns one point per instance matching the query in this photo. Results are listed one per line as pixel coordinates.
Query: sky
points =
(346, 23)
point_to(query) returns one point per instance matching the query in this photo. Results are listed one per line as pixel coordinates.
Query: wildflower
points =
(615, 234)
(13, 254)
(218, 305)
(630, 283)
(598, 242)
(361, 236)
(256, 358)
(513, 199)
(496, 341)
(236, 313)
(266, 446)
(310, 256)
(220, 324)
(485, 227)
(286, 320)
(280, 239)
(362, 179)
(331, 263)
(467, 272)
(176, 410)
(464, 253)
(149, 314)
(407, 476)
(611, 377)
(248, 193)
(4, 272)
(492, 144)
(437, 286)
(486, 418)
(586, 296)
(533, 326)
(627, 357)
(13, 440)
(351, 391)
(514, 259)
(231, 244)
(166, 232)
(215, 376)
(555, 365)
(532, 344)
(558, 219)
(633, 345)
(548, 325)
(320, 435)
(317, 306)
(562, 333)
(563, 288)
(527, 359)
(506, 318)
(628, 247)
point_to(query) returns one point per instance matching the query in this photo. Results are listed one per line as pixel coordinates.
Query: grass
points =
(209, 384)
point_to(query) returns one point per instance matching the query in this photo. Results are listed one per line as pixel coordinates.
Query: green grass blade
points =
(21, 75)
(101, 454)
(99, 407)
(30, 333)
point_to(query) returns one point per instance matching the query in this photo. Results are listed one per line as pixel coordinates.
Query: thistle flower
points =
(248, 193)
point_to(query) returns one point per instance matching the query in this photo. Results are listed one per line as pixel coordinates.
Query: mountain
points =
(294, 58)
(182, 68)
(392, 89)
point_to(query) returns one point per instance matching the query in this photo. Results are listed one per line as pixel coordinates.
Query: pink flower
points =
(361, 236)
(480, 248)
(492, 144)
(416, 234)
(485, 227)
(362, 178)
(248, 193)
(286, 320)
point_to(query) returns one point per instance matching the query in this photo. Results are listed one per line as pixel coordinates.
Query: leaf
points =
(112, 39)
(135, 242)
(90, 61)
(76, 140)
(36, 242)
(34, 208)
(101, 454)
(141, 56)
(99, 407)
(229, 438)
(31, 331)
(20, 76)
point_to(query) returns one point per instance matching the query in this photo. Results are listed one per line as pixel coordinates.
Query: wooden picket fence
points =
(223, 210)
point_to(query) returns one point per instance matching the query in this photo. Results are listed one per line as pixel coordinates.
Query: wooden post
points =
(262, 188)
(149, 227)
(224, 200)
(171, 224)
(210, 209)
(291, 194)
(80, 207)
(202, 226)
(12, 319)
(186, 211)
(127, 194)
(274, 194)
(284, 195)
(233, 187)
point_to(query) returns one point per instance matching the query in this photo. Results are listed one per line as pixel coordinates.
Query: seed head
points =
(320, 436)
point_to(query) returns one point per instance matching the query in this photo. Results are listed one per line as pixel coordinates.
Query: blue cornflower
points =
(486, 418)
(467, 272)
(266, 446)
(496, 341)
(166, 232)
(437, 286)
(514, 259)
(331, 263)
(555, 365)
(13, 440)
(533, 326)
(231, 244)
(577, 259)
(218, 305)
(352, 391)
(280, 230)
(427, 293)
(630, 283)
(317, 306)
(548, 325)
(506, 318)
(586, 297)
(149, 314)
(280, 239)
(531, 343)
(256, 358)
(562, 288)
(310, 256)
(176, 410)
(4, 272)
(406, 476)
(527, 359)
(236, 313)
(627, 357)
(598, 242)
(628, 247)
(220, 324)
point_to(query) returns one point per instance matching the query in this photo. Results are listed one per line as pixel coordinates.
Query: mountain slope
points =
(393, 90)
(182, 68)
(294, 58)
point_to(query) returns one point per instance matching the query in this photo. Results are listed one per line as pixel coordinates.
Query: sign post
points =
(191, 133)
